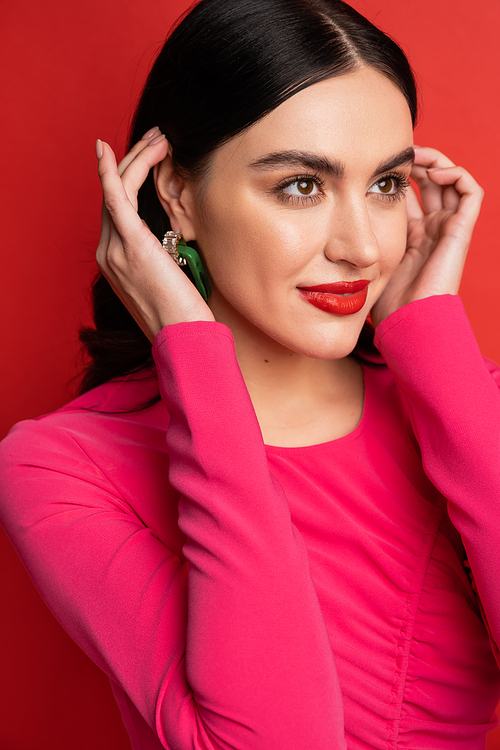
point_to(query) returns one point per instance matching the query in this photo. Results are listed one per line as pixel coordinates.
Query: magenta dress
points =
(247, 597)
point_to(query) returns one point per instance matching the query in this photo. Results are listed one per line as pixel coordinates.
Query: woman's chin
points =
(332, 343)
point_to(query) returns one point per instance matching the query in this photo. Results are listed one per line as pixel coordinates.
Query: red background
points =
(74, 72)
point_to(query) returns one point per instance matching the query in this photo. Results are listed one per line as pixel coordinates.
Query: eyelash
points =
(402, 183)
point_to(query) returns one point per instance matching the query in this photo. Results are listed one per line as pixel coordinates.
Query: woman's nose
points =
(352, 238)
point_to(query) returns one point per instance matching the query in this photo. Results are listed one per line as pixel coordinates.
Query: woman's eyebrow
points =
(307, 160)
(404, 157)
(299, 159)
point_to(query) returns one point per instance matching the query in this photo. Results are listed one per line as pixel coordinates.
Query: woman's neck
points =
(299, 400)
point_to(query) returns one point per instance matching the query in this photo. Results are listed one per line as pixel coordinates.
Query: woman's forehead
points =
(360, 114)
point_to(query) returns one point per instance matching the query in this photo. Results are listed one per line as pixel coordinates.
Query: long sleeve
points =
(225, 649)
(453, 398)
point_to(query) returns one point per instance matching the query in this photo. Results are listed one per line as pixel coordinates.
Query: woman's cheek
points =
(393, 242)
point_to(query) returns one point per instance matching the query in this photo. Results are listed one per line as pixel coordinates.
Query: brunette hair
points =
(227, 64)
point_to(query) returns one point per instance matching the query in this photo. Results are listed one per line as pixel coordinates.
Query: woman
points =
(284, 570)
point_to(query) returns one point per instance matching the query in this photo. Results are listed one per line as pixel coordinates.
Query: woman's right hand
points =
(147, 280)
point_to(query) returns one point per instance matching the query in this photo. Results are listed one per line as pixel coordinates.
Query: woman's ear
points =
(177, 197)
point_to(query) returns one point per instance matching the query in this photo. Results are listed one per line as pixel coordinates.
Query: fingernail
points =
(150, 133)
(98, 148)
(156, 140)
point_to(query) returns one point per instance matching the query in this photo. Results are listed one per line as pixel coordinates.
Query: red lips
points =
(339, 298)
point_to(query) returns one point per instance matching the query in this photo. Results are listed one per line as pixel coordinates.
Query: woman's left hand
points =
(439, 233)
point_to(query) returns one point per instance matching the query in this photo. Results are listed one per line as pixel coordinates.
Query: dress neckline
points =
(353, 435)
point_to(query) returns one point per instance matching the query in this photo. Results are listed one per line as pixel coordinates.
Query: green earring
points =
(184, 255)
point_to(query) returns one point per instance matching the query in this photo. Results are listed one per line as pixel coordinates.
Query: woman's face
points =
(311, 195)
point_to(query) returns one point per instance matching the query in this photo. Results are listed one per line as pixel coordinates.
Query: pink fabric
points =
(256, 598)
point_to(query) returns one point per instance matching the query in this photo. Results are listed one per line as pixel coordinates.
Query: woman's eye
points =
(385, 186)
(302, 187)
(300, 190)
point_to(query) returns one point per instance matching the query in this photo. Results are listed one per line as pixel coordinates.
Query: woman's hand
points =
(439, 233)
(149, 283)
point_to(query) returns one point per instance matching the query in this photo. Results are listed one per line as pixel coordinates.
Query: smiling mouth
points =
(339, 298)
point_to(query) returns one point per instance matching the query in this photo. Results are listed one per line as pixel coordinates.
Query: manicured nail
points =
(98, 148)
(156, 140)
(150, 133)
